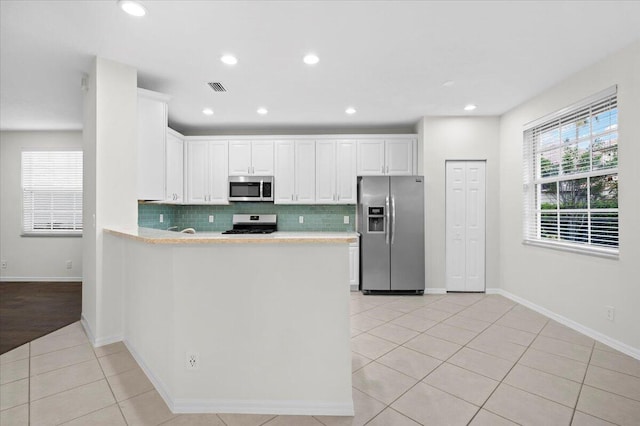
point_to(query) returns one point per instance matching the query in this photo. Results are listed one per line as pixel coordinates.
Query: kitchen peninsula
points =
(264, 318)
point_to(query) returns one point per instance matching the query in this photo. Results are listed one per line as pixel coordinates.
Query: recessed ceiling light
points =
(229, 59)
(262, 111)
(350, 110)
(133, 8)
(470, 107)
(207, 111)
(448, 83)
(311, 59)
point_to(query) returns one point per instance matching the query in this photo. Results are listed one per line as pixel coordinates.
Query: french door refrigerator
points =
(391, 226)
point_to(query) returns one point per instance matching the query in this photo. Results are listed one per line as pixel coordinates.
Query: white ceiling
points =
(388, 59)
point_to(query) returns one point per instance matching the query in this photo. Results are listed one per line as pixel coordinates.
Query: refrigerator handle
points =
(388, 224)
(393, 219)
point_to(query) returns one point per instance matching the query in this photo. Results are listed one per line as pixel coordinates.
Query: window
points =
(571, 177)
(52, 192)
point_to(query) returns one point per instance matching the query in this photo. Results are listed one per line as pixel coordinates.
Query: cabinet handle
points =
(248, 170)
(291, 197)
(382, 170)
(338, 197)
(387, 169)
(253, 170)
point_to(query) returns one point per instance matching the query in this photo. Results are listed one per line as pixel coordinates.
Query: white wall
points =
(578, 286)
(457, 138)
(32, 258)
(110, 158)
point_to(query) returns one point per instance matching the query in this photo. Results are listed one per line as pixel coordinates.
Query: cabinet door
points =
(371, 158)
(152, 133)
(175, 170)
(239, 158)
(325, 172)
(218, 172)
(305, 177)
(262, 158)
(197, 171)
(354, 266)
(285, 172)
(399, 157)
(346, 178)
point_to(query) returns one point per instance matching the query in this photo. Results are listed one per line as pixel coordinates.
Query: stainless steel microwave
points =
(250, 188)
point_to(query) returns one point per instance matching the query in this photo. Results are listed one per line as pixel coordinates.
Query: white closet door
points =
(465, 225)
(475, 229)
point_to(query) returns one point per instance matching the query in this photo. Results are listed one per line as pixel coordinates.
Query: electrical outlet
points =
(69, 264)
(3, 264)
(300, 219)
(346, 220)
(161, 218)
(611, 312)
(210, 218)
(192, 361)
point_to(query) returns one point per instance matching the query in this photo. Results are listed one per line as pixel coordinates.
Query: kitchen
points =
(440, 133)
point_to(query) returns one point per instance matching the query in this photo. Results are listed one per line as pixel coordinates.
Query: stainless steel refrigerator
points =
(391, 226)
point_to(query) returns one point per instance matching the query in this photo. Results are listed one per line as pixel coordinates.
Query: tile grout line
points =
(500, 382)
(421, 380)
(586, 370)
(109, 384)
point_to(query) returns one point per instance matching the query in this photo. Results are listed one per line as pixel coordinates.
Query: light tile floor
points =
(434, 360)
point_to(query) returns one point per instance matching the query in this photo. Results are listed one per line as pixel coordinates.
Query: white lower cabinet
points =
(207, 172)
(354, 266)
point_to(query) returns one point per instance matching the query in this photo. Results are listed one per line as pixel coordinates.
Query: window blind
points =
(571, 178)
(51, 192)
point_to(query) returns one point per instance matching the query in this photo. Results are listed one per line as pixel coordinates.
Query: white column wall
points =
(110, 155)
(32, 258)
(576, 286)
(457, 138)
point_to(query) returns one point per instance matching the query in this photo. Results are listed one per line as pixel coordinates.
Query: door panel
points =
(465, 225)
(285, 172)
(305, 168)
(407, 233)
(262, 158)
(197, 171)
(374, 248)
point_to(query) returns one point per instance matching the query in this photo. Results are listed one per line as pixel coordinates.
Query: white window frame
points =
(597, 231)
(42, 178)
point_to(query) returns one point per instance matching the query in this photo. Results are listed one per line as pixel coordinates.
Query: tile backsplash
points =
(328, 218)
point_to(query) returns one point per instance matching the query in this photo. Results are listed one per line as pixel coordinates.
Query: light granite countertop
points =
(159, 236)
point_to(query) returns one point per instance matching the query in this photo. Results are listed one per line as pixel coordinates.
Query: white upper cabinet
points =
(152, 134)
(377, 157)
(174, 186)
(207, 174)
(251, 158)
(398, 154)
(370, 157)
(336, 172)
(346, 177)
(295, 172)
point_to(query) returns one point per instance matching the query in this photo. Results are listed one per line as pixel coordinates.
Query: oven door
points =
(245, 191)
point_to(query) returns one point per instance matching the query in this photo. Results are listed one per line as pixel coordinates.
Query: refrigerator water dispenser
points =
(375, 220)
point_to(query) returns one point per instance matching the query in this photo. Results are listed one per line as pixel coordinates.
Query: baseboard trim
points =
(41, 279)
(87, 328)
(239, 406)
(435, 291)
(160, 386)
(294, 407)
(596, 335)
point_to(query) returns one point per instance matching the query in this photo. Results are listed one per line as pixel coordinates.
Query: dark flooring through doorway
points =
(29, 310)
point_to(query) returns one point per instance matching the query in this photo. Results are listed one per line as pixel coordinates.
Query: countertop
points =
(159, 236)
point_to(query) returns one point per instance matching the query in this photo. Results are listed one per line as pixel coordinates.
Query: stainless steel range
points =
(253, 224)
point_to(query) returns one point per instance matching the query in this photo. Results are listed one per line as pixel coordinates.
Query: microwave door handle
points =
(260, 196)
(386, 229)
